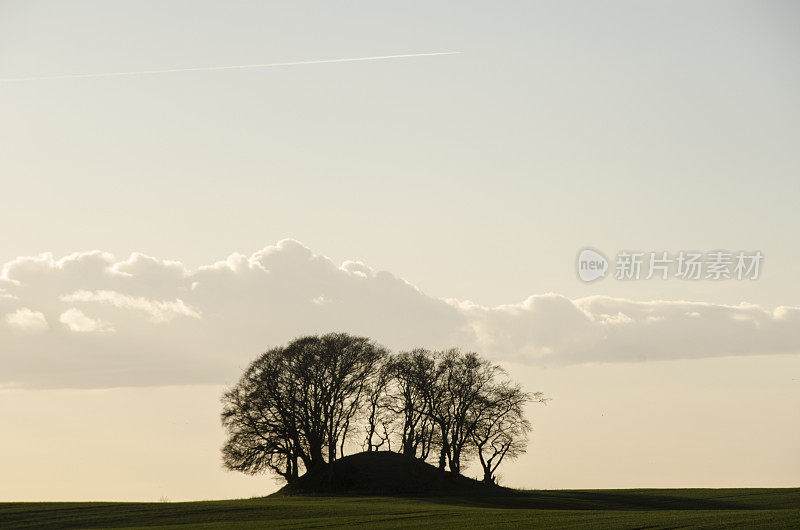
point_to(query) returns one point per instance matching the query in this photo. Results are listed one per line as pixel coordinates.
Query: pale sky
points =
(424, 201)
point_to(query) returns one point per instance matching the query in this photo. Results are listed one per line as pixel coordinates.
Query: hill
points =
(386, 473)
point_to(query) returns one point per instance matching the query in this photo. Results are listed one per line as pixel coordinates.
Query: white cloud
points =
(4, 294)
(159, 311)
(204, 325)
(27, 320)
(76, 321)
(320, 300)
(551, 328)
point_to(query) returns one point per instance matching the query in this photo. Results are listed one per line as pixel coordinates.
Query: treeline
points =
(305, 404)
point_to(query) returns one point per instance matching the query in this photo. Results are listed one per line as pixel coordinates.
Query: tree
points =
(379, 417)
(411, 375)
(259, 415)
(295, 404)
(501, 429)
(440, 397)
(468, 380)
(453, 384)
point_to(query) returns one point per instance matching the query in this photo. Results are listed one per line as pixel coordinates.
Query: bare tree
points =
(468, 380)
(437, 394)
(344, 368)
(379, 417)
(501, 429)
(295, 405)
(459, 394)
(259, 414)
(406, 392)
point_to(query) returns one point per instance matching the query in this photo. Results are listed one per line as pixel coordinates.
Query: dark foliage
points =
(298, 408)
(295, 406)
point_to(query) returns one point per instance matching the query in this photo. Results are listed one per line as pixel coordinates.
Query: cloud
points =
(553, 329)
(173, 325)
(27, 320)
(76, 321)
(159, 311)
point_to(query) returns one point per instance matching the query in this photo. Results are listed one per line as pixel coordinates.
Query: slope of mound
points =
(384, 473)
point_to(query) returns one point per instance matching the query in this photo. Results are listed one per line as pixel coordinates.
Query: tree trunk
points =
(316, 456)
(455, 461)
(331, 452)
(455, 466)
(443, 454)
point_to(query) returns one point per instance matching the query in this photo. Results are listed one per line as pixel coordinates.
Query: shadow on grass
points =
(623, 499)
(592, 500)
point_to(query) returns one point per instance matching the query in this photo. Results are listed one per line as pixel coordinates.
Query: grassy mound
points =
(384, 473)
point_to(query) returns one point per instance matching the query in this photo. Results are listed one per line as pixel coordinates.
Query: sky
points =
(162, 229)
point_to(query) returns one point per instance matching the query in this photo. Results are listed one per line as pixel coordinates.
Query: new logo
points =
(591, 265)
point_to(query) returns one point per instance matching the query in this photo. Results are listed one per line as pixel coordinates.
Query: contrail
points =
(237, 67)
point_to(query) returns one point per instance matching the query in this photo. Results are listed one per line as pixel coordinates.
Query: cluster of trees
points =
(305, 404)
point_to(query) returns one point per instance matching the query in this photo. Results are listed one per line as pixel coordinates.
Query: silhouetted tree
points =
(295, 407)
(296, 404)
(411, 375)
(453, 384)
(468, 382)
(501, 429)
(379, 417)
(259, 414)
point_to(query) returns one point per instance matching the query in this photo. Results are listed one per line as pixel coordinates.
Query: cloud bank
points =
(87, 320)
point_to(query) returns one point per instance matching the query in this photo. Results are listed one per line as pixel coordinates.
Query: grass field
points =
(644, 508)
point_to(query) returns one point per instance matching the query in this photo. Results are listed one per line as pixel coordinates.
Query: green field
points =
(650, 508)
